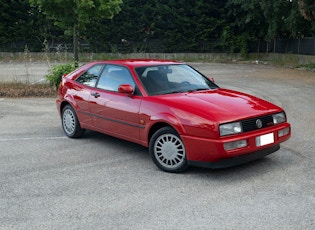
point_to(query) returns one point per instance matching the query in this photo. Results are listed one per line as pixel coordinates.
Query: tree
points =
(178, 25)
(260, 18)
(188, 25)
(19, 25)
(75, 15)
(307, 8)
(269, 19)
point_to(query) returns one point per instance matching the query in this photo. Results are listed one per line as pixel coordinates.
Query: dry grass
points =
(19, 90)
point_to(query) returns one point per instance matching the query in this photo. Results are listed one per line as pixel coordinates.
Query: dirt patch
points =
(18, 90)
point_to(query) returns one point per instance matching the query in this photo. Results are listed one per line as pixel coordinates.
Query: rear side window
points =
(90, 76)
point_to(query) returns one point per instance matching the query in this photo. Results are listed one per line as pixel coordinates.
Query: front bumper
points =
(225, 163)
(208, 152)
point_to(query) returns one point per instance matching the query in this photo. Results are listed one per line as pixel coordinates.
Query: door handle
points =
(96, 95)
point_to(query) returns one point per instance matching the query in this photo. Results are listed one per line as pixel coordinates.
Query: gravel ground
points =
(48, 181)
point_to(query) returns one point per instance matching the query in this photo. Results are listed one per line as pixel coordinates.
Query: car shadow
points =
(113, 142)
(259, 166)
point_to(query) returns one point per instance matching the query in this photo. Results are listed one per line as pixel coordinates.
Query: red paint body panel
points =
(116, 113)
(196, 116)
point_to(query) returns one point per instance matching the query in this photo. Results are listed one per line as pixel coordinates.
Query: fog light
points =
(283, 132)
(235, 145)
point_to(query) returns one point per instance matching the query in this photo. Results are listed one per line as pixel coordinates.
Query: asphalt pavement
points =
(49, 181)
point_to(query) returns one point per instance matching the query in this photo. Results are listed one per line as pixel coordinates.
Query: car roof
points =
(139, 62)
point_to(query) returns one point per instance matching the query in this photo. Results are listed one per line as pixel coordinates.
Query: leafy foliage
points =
(68, 13)
(185, 25)
(73, 15)
(21, 23)
(307, 8)
(56, 72)
(180, 25)
(267, 19)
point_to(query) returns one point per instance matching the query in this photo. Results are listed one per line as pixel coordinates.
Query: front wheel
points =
(70, 123)
(168, 151)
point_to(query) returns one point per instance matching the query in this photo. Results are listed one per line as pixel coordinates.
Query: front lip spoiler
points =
(233, 161)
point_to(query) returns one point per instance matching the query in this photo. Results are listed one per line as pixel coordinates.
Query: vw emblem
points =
(258, 123)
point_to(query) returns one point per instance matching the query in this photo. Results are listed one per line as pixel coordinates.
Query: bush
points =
(56, 73)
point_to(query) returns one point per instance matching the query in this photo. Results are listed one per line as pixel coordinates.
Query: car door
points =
(81, 92)
(115, 113)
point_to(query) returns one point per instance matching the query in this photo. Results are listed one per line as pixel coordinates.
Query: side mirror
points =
(126, 89)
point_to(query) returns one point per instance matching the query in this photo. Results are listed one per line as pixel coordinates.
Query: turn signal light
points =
(235, 145)
(283, 132)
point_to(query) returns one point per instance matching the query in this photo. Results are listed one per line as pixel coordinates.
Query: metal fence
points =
(302, 46)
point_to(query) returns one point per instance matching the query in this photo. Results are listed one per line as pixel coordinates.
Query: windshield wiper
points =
(186, 91)
(198, 89)
(176, 91)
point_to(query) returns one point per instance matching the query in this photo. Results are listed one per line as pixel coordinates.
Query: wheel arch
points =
(70, 122)
(161, 124)
(67, 101)
(156, 127)
(63, 104)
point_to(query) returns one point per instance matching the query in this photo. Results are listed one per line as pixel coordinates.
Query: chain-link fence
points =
(303, 46)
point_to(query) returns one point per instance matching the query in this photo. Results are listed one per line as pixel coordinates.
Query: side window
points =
(89, 77)
(113, 76)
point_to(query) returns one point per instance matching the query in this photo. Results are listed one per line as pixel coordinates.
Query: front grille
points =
(250, 124)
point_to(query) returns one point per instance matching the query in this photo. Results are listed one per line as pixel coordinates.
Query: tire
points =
(70, 123)
(168, 151)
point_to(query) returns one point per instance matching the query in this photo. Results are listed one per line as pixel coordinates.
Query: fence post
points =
(267, 47)
(299, 43)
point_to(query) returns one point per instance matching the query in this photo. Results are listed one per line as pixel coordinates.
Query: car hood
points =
(219, 105)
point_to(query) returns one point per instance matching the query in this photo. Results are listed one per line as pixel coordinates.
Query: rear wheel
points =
(168, 151)
(70, 122)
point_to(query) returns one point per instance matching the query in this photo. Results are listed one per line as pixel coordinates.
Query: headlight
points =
(278, 118)
(230, 128)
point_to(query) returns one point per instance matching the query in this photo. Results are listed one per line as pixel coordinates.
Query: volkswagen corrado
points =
(182, 116)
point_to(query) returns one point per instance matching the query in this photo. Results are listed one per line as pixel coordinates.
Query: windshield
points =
(166, 79)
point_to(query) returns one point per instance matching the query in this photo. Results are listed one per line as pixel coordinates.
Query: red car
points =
(182, 116)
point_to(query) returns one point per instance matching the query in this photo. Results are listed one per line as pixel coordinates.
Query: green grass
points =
(310, 66)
